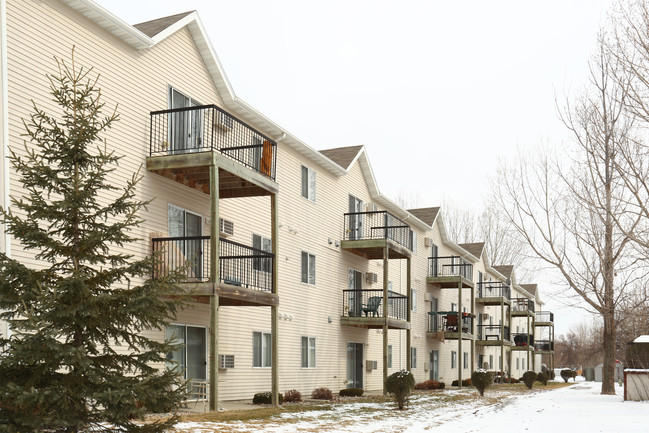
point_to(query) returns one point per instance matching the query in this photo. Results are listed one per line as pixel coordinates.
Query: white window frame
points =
(266, 349)
(308, 189)
(465, 360)
(389, 356)
(265, 244)
(413, 300)
(308, 348)
(453, 359)
(310, 268)
(518, 363)
(186, 354)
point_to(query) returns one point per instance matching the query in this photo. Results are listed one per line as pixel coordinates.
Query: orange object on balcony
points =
(266, 158)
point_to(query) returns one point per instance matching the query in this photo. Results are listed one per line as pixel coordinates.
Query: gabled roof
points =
(343, 156)
(153, 27)
(531, 288)
(475, 248)
(506, 270)
(427, 214)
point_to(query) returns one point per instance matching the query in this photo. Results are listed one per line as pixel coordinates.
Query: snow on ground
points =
(577, 408)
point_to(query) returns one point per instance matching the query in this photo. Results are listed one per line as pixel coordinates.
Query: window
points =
(308, 352)
(413, 300)
(308, 183)
(434, 265)
(413, 357)
(453, 359)
(491, 362)
(389, 356)
(261, 349)
(190, 358)
(453, 307)
(414, 241)
(523, 363)
(261, 243)
(465, 363)
(518, 364)
(308, 268)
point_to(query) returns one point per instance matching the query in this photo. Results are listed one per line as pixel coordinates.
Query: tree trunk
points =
(608, 372)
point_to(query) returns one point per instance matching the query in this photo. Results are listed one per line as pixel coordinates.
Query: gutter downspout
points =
(5, 241)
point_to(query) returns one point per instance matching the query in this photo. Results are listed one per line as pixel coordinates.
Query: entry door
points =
(355, 221)
(191, 355)
(185, 127)
(434, 321)
(354, 365)
(434, 364)
(355, 296)
(186, 224)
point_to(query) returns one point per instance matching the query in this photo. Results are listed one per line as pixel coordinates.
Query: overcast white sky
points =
(437, 91)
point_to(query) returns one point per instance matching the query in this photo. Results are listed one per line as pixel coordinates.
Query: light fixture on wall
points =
(337, 244)
(329, 319)
(330, 241)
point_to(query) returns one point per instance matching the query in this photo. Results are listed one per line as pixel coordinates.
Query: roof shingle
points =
(426, 214)
(475, 248)
(153, 27)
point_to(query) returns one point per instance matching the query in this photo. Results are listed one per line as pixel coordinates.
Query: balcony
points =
(245, 273)
(493, 293)
(185, 142)
(449, 272)
(523, 342)
(369, 233)
(364, 309)
(544, 346)
(446, 322)
(522, 307)
(544, 318)
(493, 335)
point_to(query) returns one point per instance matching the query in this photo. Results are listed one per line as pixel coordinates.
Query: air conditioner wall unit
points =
(371, 277)
(428, 366)
(224, 122)
(429, 297)
(226, 361)
(371, 365)
(226, 227)
(428, 242)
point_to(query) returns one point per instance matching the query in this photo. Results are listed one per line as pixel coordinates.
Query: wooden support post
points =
(214, 279)
(472, 330)
(529, 333)
(460, 355)
(502, 337)
(274, 324)
(409, 316)
(386, 257)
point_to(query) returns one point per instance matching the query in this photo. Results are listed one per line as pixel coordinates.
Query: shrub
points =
(566, 374)
(430, 384)
(481, 379)
(400, 384)
(265, 398)
(528, 378)
(322, 394)
(351, 392)
(551, 374)
(543, 378)
(573, 375)
(292, 395)
(465, 382)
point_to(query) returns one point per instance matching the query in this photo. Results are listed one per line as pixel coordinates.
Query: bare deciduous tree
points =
(573, 211)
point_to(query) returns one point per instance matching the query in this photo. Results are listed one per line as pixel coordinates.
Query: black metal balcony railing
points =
(369, 303)
(449, 266)
(523, 304)
(524, 339)
(544, 345)
(493, 289)
(544, 316)
(377, 225)
(447, 321)
(239, 265)
(209, 128)
(494, 332)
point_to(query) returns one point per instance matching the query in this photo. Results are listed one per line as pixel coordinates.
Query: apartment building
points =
(302, 273)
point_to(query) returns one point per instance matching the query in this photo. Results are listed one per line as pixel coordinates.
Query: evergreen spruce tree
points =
(78, 358)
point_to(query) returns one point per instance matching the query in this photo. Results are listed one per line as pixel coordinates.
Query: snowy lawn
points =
(576, 408)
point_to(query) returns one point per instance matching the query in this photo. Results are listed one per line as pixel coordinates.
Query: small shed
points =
(619, 371)
(636, 375)
(637, 353)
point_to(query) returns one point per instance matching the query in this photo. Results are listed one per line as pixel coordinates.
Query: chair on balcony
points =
(372, 306)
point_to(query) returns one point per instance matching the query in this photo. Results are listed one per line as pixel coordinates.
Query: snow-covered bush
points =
(481, 379)
(566, 374)
(400, 384)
